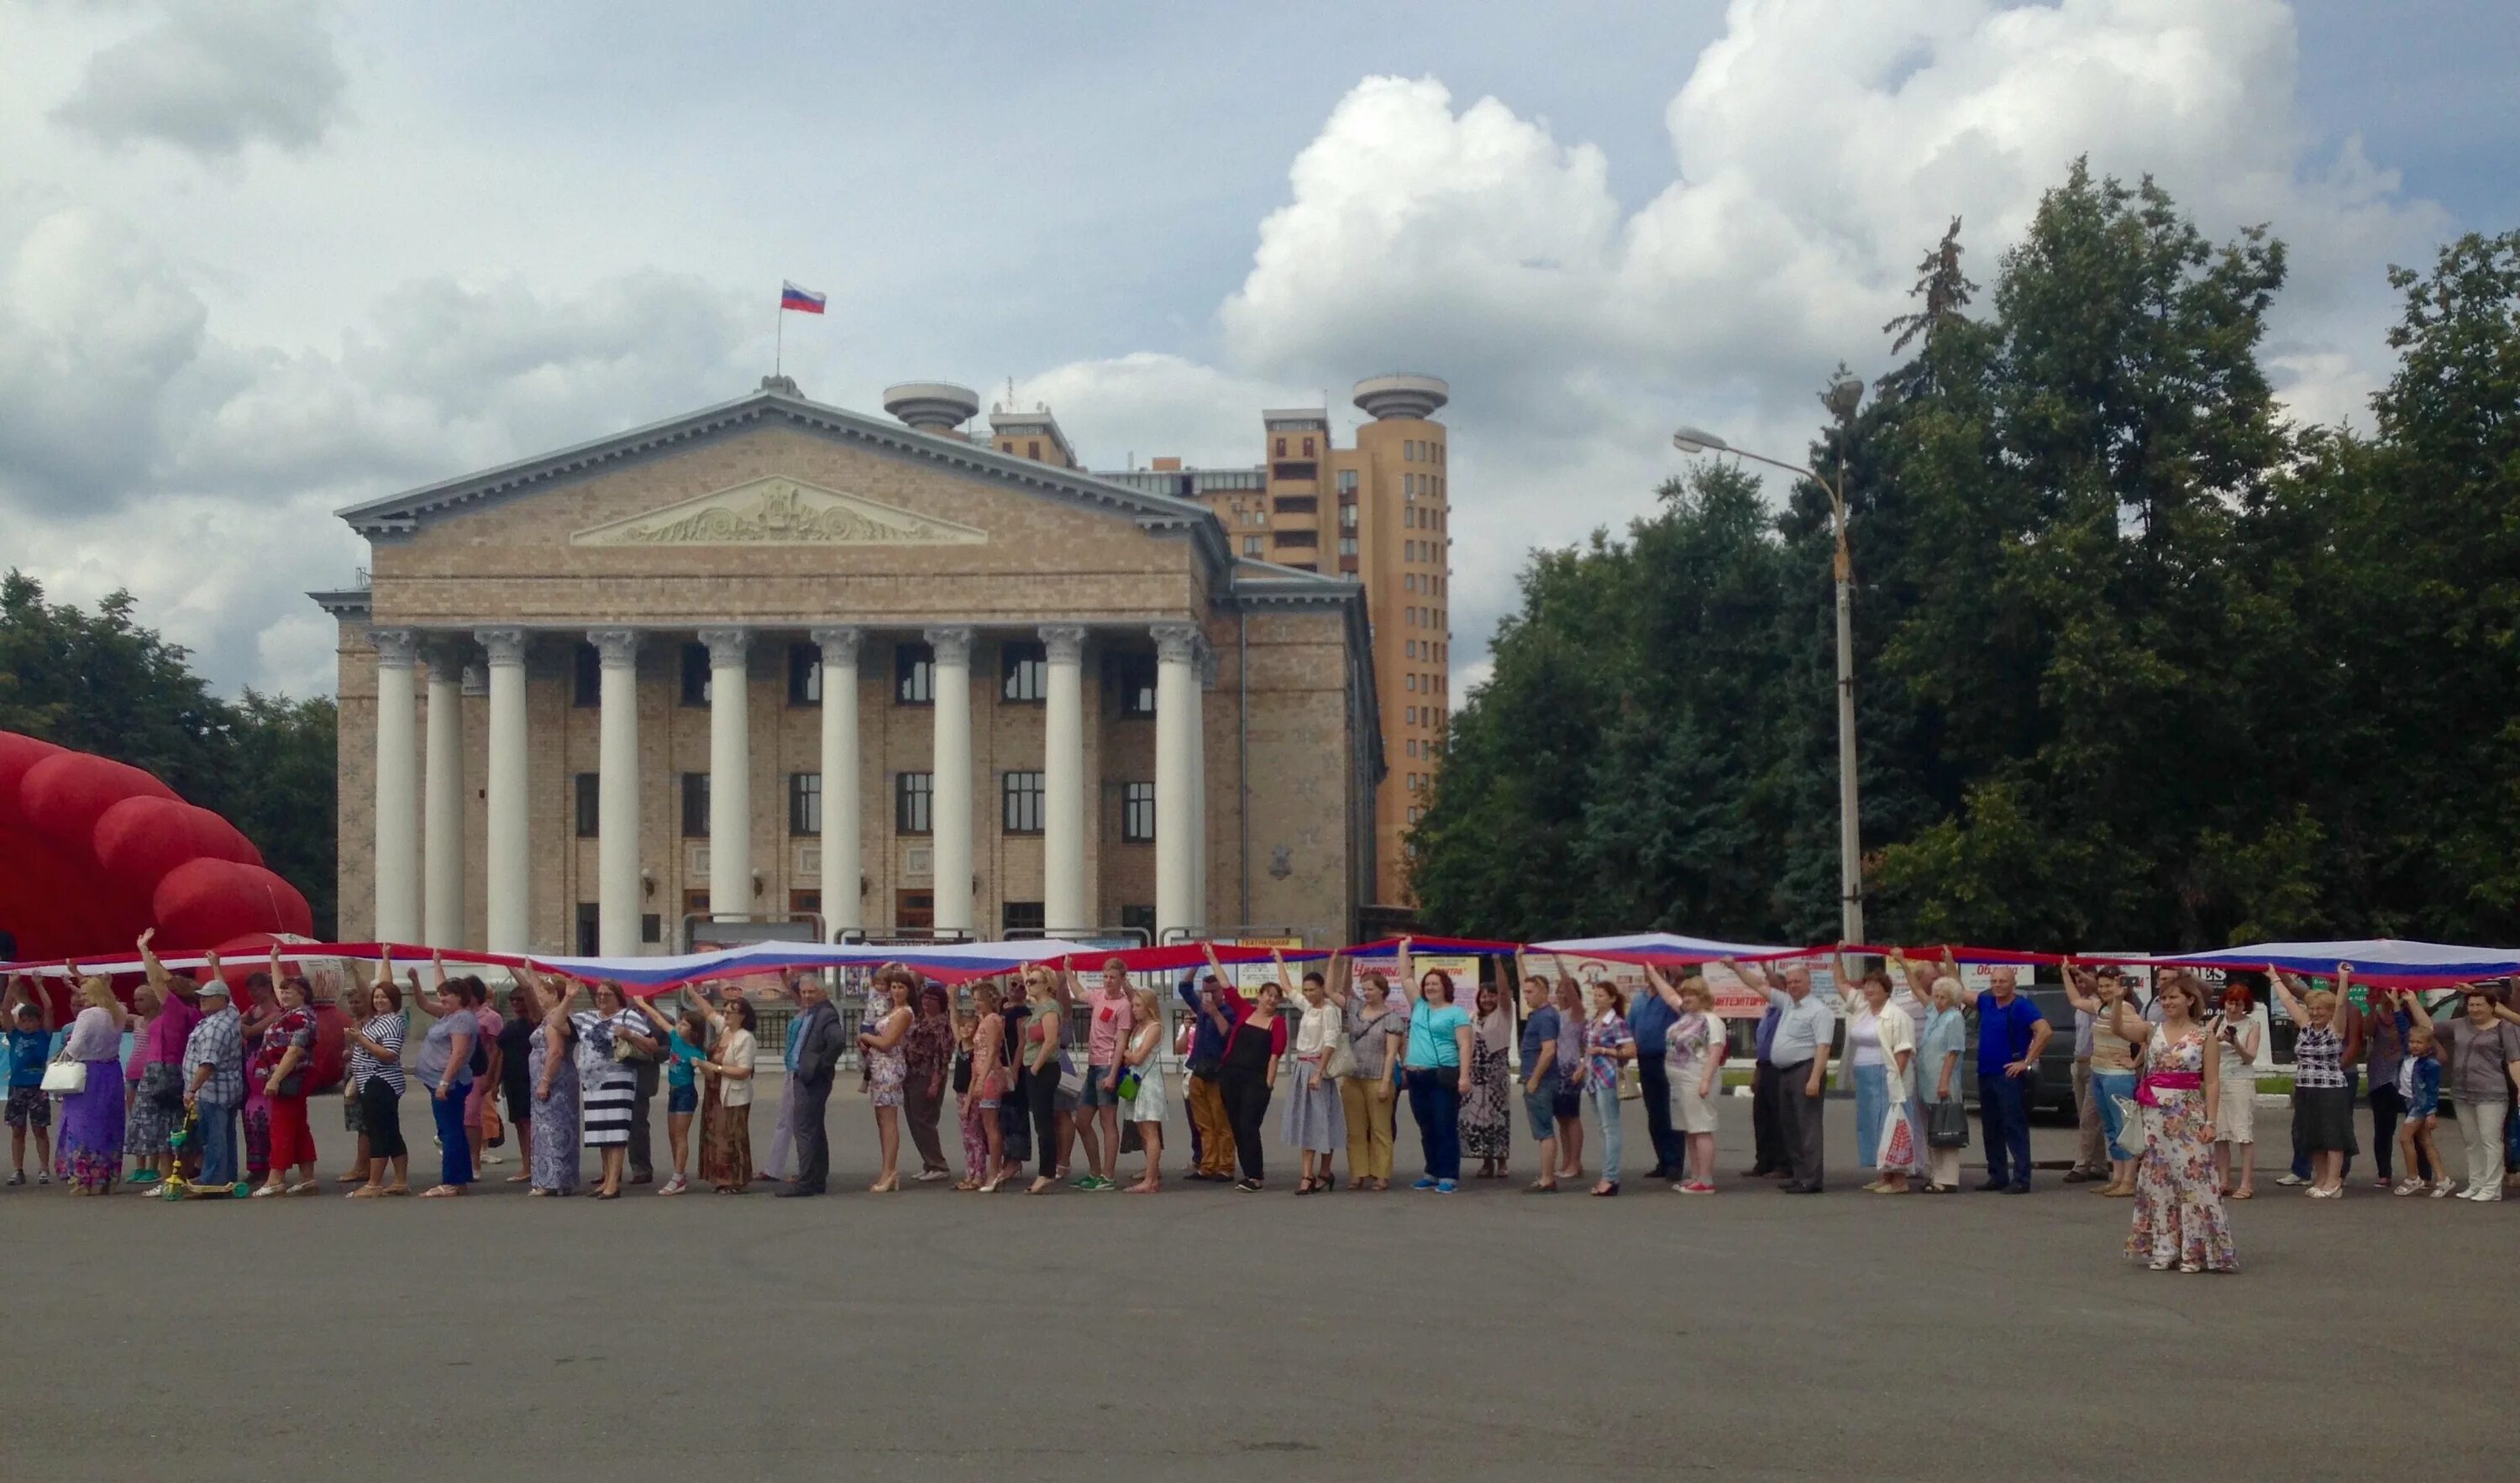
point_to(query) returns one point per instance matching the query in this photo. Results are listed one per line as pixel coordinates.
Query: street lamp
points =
(1843, 396)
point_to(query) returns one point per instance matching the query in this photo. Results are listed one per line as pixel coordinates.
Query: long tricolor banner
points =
(2384, 960)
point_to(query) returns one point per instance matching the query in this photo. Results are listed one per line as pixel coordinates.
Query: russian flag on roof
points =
(804, 301)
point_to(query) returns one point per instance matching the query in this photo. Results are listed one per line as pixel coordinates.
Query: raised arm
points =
(2077, 991)
(1849, 999)
(1755, 981)
(1663, 989)
(1064, 985)
(1400, 960)
(2289, 992)
(1335, 976)
(150, 966)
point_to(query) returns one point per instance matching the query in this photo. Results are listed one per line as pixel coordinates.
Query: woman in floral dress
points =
(2178, 1215)
(555, 1075)
(1487, 1113)
(887, 1067)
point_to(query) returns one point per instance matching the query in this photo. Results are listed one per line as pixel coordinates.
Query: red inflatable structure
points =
(94, 852)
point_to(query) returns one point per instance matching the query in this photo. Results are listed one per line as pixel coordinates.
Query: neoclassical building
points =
(775, 658)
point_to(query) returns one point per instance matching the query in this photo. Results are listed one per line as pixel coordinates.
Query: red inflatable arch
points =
(93, 853)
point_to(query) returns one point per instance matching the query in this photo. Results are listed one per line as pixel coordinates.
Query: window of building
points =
(585, 677)
(913, 674)
(1413, 747)
(590, 928)
(695, 805)
(1412, 679)
(910, 795)
(1413, 715)
(1347, 516)
(1032, 449)
(589, 792)
(1299, 469)
(804, 903)
(1281, 448)
(1138, 918)
(1024, 670)
(652, 927)
(1408, 646)
(1409, 450)
(1308, 447)
(1347, 483)
(1136, 813)
(1133, 679)
(1022, 795)
(1298, 504)
(696, 674)
(1255, 516)
(1254, 546)
(1415, 813)
(1298, 538)
(1347, 545)
(1026, 916)
(804, 674)
(805, 804)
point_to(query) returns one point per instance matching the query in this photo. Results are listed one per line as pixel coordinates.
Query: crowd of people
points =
(187, 1091)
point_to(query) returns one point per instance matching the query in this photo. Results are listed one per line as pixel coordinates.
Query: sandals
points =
(260, 1192)
(442, 1191)
(1541, 1187)
(367, 1192)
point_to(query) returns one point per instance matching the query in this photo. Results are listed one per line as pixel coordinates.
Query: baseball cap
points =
(213, 985)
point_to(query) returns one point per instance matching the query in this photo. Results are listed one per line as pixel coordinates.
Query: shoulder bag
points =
(1341, 1059)
(66, 1077)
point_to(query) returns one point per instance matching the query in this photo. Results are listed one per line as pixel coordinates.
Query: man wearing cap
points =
(214, 1084)
(1212, 1134)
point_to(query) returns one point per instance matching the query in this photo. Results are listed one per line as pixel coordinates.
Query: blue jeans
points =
(2004, 1110)
(2106, 1088)
(454, 1145)
(1871, 1105)
(1606, 1106)
(217, 1128)
(1435, 1101)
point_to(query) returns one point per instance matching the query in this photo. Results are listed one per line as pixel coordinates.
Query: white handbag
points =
(66, 1078)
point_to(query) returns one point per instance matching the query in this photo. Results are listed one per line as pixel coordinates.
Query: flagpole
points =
(778, 338)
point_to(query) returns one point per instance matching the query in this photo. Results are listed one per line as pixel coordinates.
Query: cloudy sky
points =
(262, 258)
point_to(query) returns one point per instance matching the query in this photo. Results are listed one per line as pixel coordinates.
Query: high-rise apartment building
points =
(1380, 511)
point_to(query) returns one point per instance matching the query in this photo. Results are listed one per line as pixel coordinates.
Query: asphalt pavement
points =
(1206, 1333)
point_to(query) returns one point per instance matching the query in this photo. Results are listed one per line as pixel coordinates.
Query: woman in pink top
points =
(1108, 1016)
(156, 1105)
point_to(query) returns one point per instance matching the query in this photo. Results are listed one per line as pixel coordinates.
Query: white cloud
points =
(211, 77)
(1817, 149)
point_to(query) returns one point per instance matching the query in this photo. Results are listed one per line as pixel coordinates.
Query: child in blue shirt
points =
(2419, 1079)
(29, 1045)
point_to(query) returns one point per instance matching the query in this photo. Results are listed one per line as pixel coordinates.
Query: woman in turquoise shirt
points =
(1436, 1070)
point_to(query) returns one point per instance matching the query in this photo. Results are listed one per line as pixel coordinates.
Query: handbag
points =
(494, 1133)
(1341, 1061)
(66, 1078)
(962, 1070)
(1947, 1125)
(1131, 1083)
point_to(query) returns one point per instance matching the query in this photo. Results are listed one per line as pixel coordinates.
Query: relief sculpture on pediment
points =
(780, 511)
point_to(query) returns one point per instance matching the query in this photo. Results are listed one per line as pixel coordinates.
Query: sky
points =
(260, 259)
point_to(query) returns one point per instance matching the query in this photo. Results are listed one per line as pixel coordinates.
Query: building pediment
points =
(778, 511)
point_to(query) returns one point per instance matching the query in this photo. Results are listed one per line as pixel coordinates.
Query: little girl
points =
(2420, 1078)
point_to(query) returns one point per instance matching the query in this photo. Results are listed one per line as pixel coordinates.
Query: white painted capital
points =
(1176, 643)
(840, 644)
(396, 648)
(615, 647)
(953, 645)
(726, 647)
(505, 646)
(1064, 643)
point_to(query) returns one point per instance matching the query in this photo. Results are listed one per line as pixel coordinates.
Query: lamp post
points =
(1843, 396)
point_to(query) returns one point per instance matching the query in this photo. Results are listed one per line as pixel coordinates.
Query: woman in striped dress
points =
(609, 1086)
(555, 1087)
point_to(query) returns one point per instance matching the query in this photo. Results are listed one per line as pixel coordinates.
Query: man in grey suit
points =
(819, 1045)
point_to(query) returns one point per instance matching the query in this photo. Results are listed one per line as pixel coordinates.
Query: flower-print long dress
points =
(1487, 1113)
(554, 1119)
(2179, 1216)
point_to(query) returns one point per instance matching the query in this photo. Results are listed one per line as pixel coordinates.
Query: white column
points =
(398, 831)
(844, 908)
(510, 881)
(1200, 901)
(1067, 904)
(950, 803)
(442, 903)
(1176, 813)
(730, 773)
(616, 793)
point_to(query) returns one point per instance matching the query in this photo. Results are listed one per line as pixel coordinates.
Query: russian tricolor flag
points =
(803, 302)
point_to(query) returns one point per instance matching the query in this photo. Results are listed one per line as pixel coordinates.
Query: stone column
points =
(730, 773)
(616, 793)
(442, 905)
(1176, 811)
(844, 908)
(510, 881)
(950, 801)
(1200, 898)
(398, 831)
(1066, 903)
